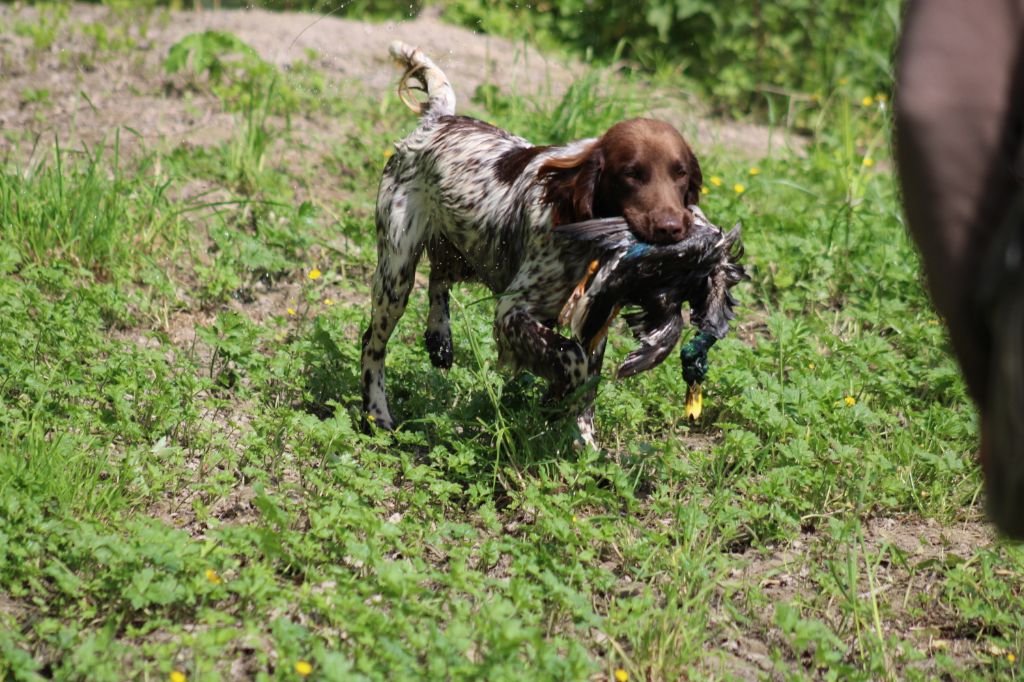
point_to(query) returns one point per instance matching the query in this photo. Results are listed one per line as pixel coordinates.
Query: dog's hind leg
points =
(401, 228)
(447, 266)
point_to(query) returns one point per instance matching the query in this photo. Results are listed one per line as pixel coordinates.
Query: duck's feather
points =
(656, 344)
(604, 233)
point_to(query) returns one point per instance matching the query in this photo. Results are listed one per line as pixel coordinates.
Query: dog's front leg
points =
(447, 266)
(585, 420)
(527, 343)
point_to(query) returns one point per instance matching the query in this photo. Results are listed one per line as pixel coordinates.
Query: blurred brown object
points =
(958, 106)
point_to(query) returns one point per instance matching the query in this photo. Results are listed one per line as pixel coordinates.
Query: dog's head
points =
(640, 169)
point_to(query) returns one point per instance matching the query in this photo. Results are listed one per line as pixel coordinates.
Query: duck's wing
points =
(658, 329)
(604, 233)
(712, 298)
(614, 235)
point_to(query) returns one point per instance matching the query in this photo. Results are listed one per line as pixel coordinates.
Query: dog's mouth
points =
(660, 227)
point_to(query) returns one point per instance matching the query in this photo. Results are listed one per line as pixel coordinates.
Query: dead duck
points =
(651, 282)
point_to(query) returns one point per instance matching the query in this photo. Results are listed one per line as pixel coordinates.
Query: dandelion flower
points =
(178, 676)
(754, 170)
(738, 188)
(388, 153)
(213, 576)
(868, 162)
(303, 668)
(574, 519)
(716, 181)
(328, 301)
(315, 274)
(1011, 658)
(850, 401)
(705, 190)
(291, 311)
(621, 675)
(868, 100)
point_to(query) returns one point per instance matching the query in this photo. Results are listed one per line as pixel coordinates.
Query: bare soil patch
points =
(90, 94)
(905, 583)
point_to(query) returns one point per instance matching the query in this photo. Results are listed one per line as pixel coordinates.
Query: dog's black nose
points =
(667, 228)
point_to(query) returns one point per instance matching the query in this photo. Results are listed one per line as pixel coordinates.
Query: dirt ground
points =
(89, 98)
(783, 575)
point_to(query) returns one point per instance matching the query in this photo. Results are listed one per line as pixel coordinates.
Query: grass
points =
(183, 486)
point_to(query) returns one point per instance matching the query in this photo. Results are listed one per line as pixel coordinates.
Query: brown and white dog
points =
(483, 201)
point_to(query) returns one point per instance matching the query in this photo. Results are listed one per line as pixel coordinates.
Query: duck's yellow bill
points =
(694, 401)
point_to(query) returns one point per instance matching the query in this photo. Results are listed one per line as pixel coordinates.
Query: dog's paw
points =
(439, 346)
(586, 435)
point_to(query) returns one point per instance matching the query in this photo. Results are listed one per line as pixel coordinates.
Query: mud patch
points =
(892, 568)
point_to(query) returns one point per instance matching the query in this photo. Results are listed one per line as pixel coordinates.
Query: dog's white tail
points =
(440, 96)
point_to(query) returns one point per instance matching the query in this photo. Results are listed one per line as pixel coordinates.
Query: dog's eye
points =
(631, 172)
(679, 170)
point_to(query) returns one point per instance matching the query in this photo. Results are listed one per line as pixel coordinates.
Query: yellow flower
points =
(178, 676)
(704, 190)
(328, 301)
(303, 668)
(868, 162)
(1011, 658)
(388, 153)
(810, 365)
(621, 675)
(314, 274)
(850, 401)
(716, 181)
(754, 170)
(574, 519)
(291, 311)
(868, 100)
(738, 188)
(881, 98)
(213, 577)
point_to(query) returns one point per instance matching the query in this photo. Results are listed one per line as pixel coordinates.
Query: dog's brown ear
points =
(570, 183)
(695, 182)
